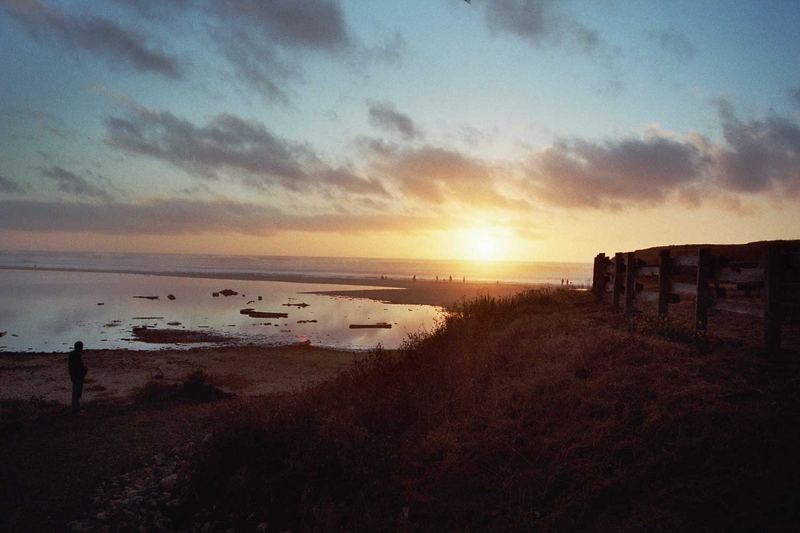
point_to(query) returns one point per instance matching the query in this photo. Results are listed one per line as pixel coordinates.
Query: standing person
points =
(77, 373)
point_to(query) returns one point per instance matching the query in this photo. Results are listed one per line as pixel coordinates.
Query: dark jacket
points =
(77, 370)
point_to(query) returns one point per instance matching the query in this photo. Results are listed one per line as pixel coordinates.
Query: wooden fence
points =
(768, 288)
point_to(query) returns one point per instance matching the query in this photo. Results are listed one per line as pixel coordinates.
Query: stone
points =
(168, 482)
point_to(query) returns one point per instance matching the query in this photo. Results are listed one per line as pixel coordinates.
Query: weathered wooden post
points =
(772, 306)
(619, 268)
(664, 282)
(599, 281)
(703, 275)
(630, 282)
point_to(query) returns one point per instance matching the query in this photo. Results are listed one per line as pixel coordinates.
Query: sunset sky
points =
(500, 129)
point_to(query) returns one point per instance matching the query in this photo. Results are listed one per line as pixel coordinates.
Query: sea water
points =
(47, 310)
(333, 267)
(50, 310)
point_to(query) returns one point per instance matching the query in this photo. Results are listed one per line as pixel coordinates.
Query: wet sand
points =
(115, 374)
(400, 291)
(432, 293)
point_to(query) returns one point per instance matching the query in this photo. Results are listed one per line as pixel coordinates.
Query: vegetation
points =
(535, 412)
(194, 388)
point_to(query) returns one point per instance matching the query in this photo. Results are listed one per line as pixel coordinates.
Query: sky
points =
(526, 130)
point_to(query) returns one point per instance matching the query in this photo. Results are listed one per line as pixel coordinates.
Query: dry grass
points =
(538, 412)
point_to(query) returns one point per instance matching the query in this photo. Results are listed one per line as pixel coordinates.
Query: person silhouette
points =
(77, 374)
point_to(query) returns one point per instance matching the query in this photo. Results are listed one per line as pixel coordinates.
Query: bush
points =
(517, 414)
(194, 388)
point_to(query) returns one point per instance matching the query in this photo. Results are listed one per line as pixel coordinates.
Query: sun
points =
(484, 244)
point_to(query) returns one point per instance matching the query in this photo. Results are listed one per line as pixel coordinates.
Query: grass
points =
(536, 412)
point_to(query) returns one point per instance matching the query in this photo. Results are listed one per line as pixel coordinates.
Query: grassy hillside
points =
(537, 412)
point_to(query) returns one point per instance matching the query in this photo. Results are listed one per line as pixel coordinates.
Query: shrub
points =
(516, 414)
(194, 388)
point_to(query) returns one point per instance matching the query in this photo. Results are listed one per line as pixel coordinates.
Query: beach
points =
(424, 292)
(115, 375)
(286, 360)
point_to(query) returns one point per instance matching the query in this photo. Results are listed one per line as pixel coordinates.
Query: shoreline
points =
(395, 291)
(115, 374)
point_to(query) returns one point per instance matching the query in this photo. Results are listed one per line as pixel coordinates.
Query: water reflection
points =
(48, 311)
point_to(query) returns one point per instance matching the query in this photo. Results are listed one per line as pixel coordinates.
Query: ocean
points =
(48, 300)
(334, 267)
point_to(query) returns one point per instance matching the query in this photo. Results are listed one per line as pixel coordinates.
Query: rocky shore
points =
(145, 499)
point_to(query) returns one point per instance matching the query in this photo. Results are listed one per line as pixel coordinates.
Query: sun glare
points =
(485, 244)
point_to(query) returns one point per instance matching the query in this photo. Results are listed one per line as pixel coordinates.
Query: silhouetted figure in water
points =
(77, 373)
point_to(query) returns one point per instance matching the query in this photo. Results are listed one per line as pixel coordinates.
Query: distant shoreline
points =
(423, 292)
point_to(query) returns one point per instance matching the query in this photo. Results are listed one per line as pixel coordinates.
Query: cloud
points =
(616, 173)
(436, 175)
(261, 39)
(383, 115)
(175, 216)
(675, 43)
(97, 35)
(760, 154)
(794, 94)
(390, 51)
(7, 185)
(72, 183)
(157, 9)
(229, 146)
(538, 22)
(313, 24)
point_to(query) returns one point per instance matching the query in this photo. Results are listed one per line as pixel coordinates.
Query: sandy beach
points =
(115, 374)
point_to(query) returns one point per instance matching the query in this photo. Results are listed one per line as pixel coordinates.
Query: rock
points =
(78, 527)
(102, 516)
(259, 298)
(170, 296)
(168, 482)
(263, 526)
(228, 292)
(216, 295)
